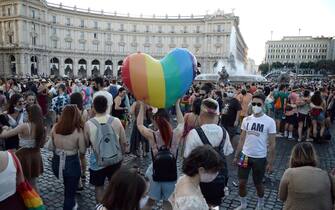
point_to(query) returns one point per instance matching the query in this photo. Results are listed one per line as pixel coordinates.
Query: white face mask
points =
(230, 94)
(143, 201)
(207, 177)
(257, 109)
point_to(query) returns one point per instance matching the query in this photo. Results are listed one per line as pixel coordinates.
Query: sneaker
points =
(279, 135)
(259, 207)
(309, 139)
(285, 134)
(240, 208)
(226, 191)
(290, 138)
(299, 140)
(75, 206)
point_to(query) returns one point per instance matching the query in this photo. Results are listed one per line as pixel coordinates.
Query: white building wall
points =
(208, 37)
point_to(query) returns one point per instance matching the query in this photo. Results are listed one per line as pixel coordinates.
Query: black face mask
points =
(243, 92)
(306, 93)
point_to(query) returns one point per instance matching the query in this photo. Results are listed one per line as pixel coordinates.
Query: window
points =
(54, 43)
(68, 21)
(134, 28)
(185, 29)
(172, 29)
(109, 26)
(8, 11)
(197, 40)
(82, 46)
(68, 45)
(147, 39)
(121, 27)
(54, 19)
(33, 13)
(34, 41)
(218, 27)
(82, 36)
(10, 38)
(159, 39)
(68, 33)
(159, 29)
(147, 29)
(172, 40)
(95, 35)
(122, 38)
(184, 39)
(9, 25)
(218, 39)
(54, 31)
(82, 23)
(198, 29)
(95, 24)
(96, 47)
(109, 37)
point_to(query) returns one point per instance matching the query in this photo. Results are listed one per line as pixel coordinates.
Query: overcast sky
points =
(257, 17)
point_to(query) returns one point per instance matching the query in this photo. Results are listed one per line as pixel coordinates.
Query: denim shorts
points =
(159, 190)
(320, 117)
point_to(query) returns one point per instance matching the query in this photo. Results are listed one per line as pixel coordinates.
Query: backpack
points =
(107, 148)
(214, 191)
(278, 104)
(164, 165)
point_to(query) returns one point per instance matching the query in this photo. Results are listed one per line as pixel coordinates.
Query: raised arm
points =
(180, 117)
(146, 132)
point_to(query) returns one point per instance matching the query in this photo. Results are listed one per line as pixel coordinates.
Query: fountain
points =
(231, 66)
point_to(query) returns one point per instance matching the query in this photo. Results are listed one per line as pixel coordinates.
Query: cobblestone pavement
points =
(52, 189)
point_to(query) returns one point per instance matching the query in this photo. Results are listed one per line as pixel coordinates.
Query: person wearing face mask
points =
(255, 151)
(202, 165)
(127, 190)
(211, 133)
(14, 115)
(230, 113)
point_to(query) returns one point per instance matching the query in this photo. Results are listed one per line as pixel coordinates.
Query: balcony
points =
(184, 45)
(147, 44)
(108, 42)
(172, 45)
(95, 41)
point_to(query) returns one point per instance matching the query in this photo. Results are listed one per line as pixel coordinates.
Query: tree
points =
(289, 65)
(263, 68)
(277, 65)
(303, 65)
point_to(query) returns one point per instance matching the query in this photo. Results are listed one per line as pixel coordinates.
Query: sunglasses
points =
(256, 104)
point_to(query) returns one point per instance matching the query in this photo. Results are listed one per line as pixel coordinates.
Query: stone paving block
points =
(52, 189)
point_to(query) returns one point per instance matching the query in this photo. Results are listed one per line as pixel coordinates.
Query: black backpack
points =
(164, 165)
(214, 191)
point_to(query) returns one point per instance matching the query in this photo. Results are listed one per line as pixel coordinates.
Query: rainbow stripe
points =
(159, 82)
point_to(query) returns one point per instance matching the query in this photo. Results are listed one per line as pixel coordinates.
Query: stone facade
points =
(41, 38)
(297, 49)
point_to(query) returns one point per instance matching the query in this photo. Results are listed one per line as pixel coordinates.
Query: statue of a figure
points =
(223, 75)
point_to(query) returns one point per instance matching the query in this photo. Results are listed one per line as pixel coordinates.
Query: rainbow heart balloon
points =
(160, 83)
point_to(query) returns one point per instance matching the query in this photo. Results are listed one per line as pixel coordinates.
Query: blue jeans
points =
(71, 176)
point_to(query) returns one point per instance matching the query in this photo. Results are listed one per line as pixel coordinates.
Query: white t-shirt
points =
(214, 134)
(109, 99)
(257, 135)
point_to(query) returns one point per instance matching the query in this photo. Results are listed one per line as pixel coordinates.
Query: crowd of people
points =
(73, 118)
